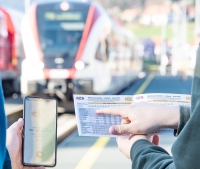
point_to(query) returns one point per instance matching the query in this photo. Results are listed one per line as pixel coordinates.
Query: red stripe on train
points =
(11, 37)
(93, 14)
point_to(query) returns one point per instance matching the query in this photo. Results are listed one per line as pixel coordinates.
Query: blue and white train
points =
(76, 47)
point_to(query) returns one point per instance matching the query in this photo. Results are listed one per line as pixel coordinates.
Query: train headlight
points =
(79, 65)
(64, 6)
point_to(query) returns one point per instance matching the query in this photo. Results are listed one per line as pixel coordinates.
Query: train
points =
(11, 50)
(76, 47)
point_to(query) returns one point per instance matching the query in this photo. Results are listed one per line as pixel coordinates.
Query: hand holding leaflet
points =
(95, 118)
(142, 118)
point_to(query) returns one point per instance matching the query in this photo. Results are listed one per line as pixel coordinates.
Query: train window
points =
(98, 53)
(60, 33)
(60, 27)
(102, 52)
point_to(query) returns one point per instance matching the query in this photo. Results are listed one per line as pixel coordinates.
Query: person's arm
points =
(185, 150)
(146, 118)
(143, 118)
(144, 153)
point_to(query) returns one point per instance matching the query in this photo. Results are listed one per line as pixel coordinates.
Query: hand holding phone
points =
(40, 132)
(14, 145)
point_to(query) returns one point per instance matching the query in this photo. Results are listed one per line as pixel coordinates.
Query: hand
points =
(143, 118)
(14, 145)
(125, 143)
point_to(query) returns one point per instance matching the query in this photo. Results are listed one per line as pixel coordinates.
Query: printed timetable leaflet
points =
(91, 124)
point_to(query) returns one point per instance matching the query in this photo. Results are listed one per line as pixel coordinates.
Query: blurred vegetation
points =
(151, 31)
(150, 65)
(154, 32)
(122, 4)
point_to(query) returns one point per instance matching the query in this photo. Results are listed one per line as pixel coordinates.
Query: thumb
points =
(156, 140)
(120, 129)
(17, 126)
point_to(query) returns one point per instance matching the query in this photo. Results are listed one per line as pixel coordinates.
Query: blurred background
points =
(59, 48)
(159, 36)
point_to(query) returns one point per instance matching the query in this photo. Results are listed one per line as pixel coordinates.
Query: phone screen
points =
(40, 125)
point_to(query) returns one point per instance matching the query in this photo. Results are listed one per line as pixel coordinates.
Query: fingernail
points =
(114, 130)
(19, 119)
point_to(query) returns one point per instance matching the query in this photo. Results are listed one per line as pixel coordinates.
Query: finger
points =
(156, 140)
(17, 126)
(116, 111)
(20, 134)
(120, 129)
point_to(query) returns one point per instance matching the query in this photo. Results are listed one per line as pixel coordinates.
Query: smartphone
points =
(39, 132)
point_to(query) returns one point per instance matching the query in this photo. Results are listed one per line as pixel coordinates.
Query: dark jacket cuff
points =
(184, 117)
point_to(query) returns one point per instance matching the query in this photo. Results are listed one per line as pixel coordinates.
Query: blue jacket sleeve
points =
(7, 161)
(4, 156)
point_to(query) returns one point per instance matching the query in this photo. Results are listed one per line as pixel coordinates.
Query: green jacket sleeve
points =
(186, 149)
(145, 155)
(161, 157)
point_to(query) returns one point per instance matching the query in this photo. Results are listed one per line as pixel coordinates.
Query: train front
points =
(52, 34)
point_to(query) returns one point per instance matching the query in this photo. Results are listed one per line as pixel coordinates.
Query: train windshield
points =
(60, 33)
